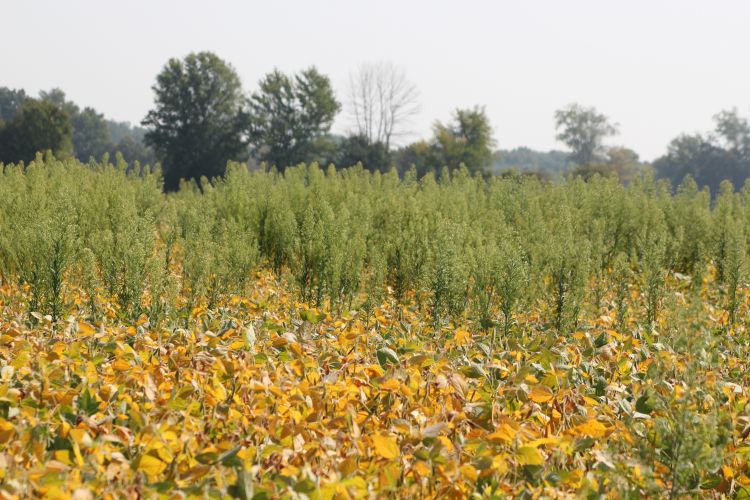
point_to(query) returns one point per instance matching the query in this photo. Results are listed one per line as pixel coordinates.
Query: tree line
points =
(52, 122)
(203, 117)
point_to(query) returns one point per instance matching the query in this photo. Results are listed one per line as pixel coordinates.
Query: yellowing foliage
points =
(385, 446)
(285, 400)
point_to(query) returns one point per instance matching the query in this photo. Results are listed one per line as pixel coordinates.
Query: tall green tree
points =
(420, 155)
(119, 130)
(200, 119)
(134, 150)
(91, 137)
(467, 140)
(583, 130)
(723, 154)
(290, 117)
(732, 131)
(38, 126)
(130, 141)
(57, 97)
(10, 101)
(620, 162)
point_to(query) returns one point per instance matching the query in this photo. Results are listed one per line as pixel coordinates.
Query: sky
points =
(658, 68)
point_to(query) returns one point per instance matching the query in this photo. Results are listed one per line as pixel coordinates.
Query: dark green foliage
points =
(357, 149)
(134, 150)
(709, 159)
(199, 119)
(698, 157)
(121, 130)
(91, 137)
(418, 156)
(10, 102)
(129, 141)
(290, 116)
(466, 141)
(38, 126)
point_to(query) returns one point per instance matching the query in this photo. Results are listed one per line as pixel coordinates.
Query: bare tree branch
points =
(382, 101)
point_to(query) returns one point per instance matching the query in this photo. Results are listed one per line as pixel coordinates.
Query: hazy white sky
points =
(658, 68)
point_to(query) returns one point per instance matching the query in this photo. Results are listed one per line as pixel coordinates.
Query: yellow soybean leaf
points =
(728, 473)
(591, 428)
(593, 403)
(469, 472)
(462, 337)
(499, 464)
(85, 330)
(81, 437)
(77, 454)
(504, 433)
(541, 394)
(121, 365)
(422, 468)
(385, 446)
(6, 430)
(391, 385)
(63, 456)
(237, 344)
(447, 444)
(529, 456)
(388, 476)
(543, 441)
(152, 466)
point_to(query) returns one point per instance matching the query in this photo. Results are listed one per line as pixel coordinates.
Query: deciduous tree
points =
(583, 130)
(10, 101)
(38, 126)
(91, 137)
(382, 100)
(358, 149)
(467, 140)
(289, 115)
(199, 121)
(710, 158)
